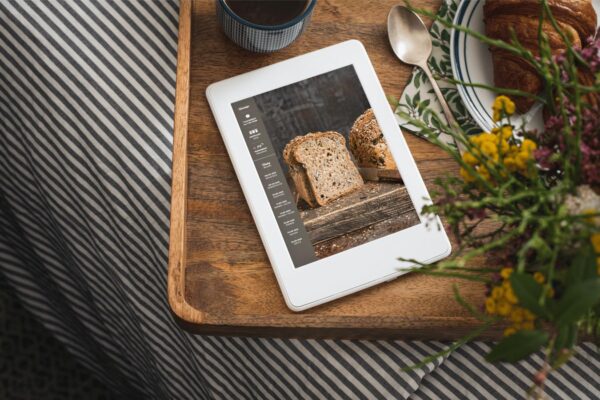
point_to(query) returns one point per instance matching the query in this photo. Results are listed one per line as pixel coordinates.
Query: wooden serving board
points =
(220, 280)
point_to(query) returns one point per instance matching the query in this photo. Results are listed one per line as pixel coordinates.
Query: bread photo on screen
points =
(576, 18)
(367, 144)
(321, 168)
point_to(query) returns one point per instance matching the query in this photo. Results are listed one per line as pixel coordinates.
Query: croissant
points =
(576, 18)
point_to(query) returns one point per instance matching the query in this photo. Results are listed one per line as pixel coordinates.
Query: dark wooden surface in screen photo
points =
(327, 102)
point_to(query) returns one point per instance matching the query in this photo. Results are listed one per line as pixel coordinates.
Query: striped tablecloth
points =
(86, 116)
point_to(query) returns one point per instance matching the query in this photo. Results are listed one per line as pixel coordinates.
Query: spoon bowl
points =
(409, 37)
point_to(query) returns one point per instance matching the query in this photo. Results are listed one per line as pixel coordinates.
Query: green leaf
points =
(529, 292)
(413, 101)
(392, 100)
(567, 335)
(577, 300)
(446, 36)
(417, 99)
(407, 101)
(583, 266)
(423, 105)
(433, 65)
(517, 346)
(443, 11)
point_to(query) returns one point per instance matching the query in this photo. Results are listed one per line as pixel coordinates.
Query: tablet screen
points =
(324, 165)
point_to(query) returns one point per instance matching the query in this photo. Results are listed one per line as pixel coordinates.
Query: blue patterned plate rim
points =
(460, 67)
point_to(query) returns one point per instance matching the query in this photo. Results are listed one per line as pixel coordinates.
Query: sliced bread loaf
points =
(327, 165)
(367, 144)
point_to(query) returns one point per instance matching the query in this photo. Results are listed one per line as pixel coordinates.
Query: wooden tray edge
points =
(389, 333)
(177, 242)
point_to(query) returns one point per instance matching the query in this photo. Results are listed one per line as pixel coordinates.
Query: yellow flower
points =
(496, 146)
(550, 292)
(510, 163)
(502, 301)
(489, 148)
(528, 145)
(490, 306)
(503, 308)
(506, 272)
(503, 134)
(595, 239)
(497, 293)
(527, 325)
(528, 315)
(485, 174)
(470, 159)
(521, 160)
(510, 331)
(466, 175)
(539, 277)
(516, 315)
(503, 105)
(476, 140)
(486, 137)
(510, 296)
(506, 132)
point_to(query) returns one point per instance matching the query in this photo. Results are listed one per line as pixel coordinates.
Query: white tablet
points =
(327, 174)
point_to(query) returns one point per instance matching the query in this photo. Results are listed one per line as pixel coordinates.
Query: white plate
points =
(472, 63)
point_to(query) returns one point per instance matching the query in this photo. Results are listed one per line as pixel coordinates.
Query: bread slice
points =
(297, 171)
(367, 144)
(326, 161)
(298, 174)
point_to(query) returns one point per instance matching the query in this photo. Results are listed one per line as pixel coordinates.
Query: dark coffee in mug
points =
(267, 12)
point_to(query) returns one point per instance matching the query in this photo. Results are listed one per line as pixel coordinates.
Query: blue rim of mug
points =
(289, 24)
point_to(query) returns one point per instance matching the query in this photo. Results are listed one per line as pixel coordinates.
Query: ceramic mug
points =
(262, 38)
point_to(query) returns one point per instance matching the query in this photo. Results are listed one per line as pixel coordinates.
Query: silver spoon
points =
(411, 43)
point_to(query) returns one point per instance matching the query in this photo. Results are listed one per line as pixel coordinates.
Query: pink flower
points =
(542, 157)
(554, 123)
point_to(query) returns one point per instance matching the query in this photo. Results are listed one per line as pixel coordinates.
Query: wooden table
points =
(220, 280)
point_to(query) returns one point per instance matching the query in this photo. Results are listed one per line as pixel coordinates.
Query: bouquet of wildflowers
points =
(537, 193)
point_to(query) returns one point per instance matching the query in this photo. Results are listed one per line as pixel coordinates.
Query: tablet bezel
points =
(359, 267)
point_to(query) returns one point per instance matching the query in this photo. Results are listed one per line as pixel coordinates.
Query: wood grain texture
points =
(373, 202)
(177, 243)
(220, 280)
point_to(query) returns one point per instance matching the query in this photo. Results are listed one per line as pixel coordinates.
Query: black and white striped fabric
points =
(86, 115)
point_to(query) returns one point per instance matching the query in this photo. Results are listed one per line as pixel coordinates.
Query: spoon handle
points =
(445, 108)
